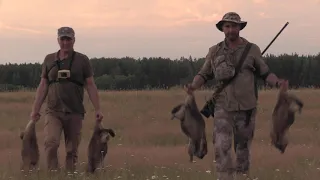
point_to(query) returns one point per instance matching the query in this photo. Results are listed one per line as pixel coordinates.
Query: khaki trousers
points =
(71, 125)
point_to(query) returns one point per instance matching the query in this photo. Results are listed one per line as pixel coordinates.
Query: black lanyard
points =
(71, 61)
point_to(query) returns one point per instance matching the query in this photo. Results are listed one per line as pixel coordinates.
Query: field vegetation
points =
(148, 145)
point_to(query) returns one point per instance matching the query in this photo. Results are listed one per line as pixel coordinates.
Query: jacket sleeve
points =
(262, 68)
(206, 71)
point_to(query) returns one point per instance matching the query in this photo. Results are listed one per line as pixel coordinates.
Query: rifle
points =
(209, 106)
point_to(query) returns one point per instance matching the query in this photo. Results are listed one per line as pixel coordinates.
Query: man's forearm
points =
(94, 96)
(197, 82)
(41, 95)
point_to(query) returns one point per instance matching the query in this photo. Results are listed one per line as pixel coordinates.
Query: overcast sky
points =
(152, 28)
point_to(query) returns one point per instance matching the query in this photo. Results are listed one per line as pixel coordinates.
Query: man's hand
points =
(99, 116)
(189, 88)
(273, 80)
(280, 82)
(35, 116)
(197, 82)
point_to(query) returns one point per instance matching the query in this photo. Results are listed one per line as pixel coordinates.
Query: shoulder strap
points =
(243, 57)
(56, 63)
(239, 65)
(71, 61)
(70, 65)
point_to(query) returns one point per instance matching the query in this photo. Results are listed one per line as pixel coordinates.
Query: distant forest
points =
(160, 73)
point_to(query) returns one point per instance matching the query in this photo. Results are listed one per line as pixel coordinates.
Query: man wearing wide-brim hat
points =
(235, 107)
(231, 17)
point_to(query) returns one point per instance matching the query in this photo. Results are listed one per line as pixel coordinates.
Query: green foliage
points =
(161, 73)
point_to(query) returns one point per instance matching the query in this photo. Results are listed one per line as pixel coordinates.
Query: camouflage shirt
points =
(241, 93)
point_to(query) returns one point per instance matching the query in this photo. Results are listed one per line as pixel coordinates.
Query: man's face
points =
(231, 30)
(66, 43)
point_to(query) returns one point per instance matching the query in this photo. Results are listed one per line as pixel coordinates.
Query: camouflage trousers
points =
(238, 126)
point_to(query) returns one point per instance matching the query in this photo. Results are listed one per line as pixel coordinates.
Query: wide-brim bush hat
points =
(231, 17)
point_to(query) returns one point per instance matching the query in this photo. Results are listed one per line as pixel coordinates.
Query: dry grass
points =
(148, 145)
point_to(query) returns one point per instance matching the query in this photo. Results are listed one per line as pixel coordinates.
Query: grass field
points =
(148, 145)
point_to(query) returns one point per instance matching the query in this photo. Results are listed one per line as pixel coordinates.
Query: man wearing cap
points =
(65, 74)
(235, 107)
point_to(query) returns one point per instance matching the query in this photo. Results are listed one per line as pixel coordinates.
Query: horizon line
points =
(163, 57)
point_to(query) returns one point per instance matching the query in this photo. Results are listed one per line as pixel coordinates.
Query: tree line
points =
(160, 73)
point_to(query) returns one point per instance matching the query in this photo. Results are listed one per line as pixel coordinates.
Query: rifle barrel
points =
(275, 38)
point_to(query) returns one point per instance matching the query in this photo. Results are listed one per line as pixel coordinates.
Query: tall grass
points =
(148, 145)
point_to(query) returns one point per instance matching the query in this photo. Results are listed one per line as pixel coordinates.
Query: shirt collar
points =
(225, 46)
(57, 55)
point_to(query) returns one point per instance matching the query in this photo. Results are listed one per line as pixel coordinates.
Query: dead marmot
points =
(30, 149)
(98, 147)
(193, 126)
(283, 116)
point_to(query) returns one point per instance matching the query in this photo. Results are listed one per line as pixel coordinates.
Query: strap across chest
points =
(70, 79)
